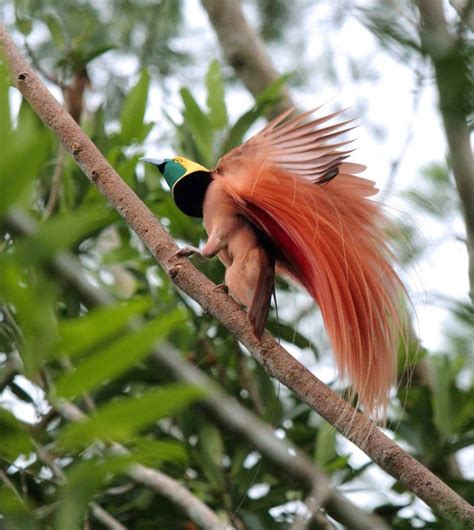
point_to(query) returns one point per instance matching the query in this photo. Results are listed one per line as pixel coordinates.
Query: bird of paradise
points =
(288, 200)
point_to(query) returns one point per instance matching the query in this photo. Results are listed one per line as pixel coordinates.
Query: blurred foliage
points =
(55, 345)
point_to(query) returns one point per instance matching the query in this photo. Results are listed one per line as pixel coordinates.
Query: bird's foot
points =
(222, 287)
(185, 252)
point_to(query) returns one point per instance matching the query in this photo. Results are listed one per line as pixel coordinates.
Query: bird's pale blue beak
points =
(160, 164)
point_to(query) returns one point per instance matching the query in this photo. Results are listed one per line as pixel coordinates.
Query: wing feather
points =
(305, 147)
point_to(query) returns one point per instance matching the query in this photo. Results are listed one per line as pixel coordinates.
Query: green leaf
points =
(267, 392)
(28, 144)
(5, 118)
(133, 111)
(459, 442)
(199, 125)
(54, 25)
(215, 96)
(117, 358)
(16, 514)
(80, 334)
(83, 481)
(121, 419)
(122, 255)
(325, 450)
(272, 93)
(211, 450)
(238, 459)
(152, 452)
(90, 55)
(236, 134)
(263, 102)
(32, 298)
(14, 441)
(24, 24)
(442, 411)
(61, 232)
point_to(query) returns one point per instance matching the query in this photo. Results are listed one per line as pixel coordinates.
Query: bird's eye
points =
(178, 160)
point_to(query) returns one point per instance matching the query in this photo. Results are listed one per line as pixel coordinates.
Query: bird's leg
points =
(222, 287)
(214, 245)
(187, 251)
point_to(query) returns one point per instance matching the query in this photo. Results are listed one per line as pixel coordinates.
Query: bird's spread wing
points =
(308, 147)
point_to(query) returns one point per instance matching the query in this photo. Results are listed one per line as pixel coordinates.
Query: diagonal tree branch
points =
(226, 410)
(454, 85)
(276, 360)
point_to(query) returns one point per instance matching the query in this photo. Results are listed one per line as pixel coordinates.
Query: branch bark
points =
(452, 80)
(276, 360)
(244, 49)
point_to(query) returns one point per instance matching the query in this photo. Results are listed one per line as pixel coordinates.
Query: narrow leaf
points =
(325, 450)
(24, 24)
(60, 232)
(211, 449)
(32, 298)
(84, 480)
(216, 96)
(133, 111)
(263, 102)
(152, 452)
(116, 358)
(442, 410)
(5, 118)
(13, 439)
(54, 25)
(81, 334)
(27, 143)
(199, 125)
(124, 417)
(272, 92)
(236, 134)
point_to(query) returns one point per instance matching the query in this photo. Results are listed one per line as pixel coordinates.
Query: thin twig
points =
(41, 70)
(105, 518)
(311, 515)
(247, 382)
(9, 484)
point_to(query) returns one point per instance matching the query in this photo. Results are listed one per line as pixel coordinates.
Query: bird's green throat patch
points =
(173, 171)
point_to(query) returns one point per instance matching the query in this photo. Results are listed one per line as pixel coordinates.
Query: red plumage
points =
(289, 197)
(330, 239)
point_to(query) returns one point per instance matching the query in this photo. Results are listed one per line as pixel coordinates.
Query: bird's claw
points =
(185, 252)
(222, 287)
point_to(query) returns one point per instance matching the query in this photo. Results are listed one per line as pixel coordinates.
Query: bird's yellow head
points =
(187, 180)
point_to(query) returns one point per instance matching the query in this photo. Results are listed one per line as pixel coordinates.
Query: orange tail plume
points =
(329, 237)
